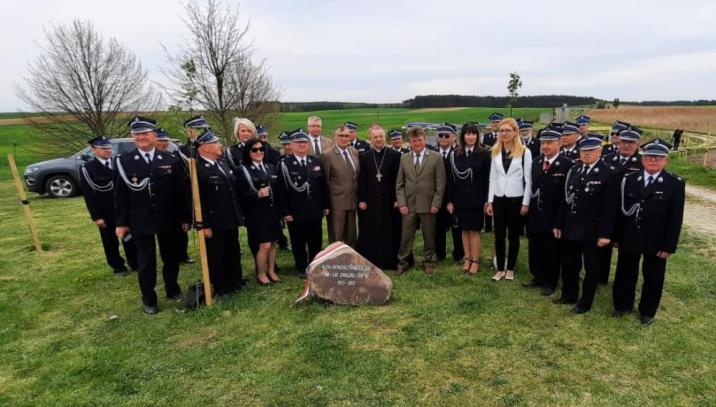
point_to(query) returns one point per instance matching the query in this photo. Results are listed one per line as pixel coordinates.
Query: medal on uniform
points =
(136, 157)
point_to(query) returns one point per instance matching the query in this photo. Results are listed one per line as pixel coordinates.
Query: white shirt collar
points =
(210, 161)
(150, 152)
(550, 160)
(647, 175)
(298, 157)
(257, 163)
(104, 162)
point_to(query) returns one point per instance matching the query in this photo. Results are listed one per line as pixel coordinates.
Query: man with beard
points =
(378, 216)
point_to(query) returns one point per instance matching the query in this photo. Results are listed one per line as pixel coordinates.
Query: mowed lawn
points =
(71, 333)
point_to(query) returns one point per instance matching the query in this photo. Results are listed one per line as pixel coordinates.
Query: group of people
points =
(574, 195)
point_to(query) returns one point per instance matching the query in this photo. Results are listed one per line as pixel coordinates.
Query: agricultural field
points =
(692, 118)
(71, 333)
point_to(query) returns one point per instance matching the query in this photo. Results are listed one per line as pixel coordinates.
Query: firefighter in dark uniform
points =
(444, 221)
(617, 127)
(570, 134)
(151, 202)
(649, 216)
(221, 215)
(584, 224)
(162, 146)
(583, 122)
(526, 134)
(285, 140)
(625, 161)
(272, 154)
(97, 184)
(549, 173)
(396, 141)
(194, 126)
(303, 200)
(489, 139)
(360, 145)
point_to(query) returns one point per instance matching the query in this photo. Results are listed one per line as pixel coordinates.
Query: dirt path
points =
(700, 217)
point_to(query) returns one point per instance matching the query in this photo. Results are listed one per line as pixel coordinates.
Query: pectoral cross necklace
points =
(378, 167)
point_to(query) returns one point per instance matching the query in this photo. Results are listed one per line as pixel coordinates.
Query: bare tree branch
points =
(84, 85)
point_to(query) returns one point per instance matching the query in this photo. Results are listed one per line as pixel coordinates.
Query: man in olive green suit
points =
(419, 192)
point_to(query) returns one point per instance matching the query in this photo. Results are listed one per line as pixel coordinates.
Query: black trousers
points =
(625, 278)
(110, 243)
(572, 255)
(544, 257)
(508, 223)
(444, 223)
(605, 263)
(183, 245)
(147, 260)
(306, 242)
(224, 256)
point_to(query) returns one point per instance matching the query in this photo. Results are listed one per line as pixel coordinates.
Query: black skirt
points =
(263, 230)
(469, 218)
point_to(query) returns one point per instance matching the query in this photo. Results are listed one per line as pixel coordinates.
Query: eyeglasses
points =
(444, 135)
(257, 150)
(654, 157)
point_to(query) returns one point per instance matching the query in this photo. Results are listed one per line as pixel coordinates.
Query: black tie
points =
(148, 157)
(315, 146)
(303, 166)
(623, 161)
(444, 155)
(468, 153)
(649, 180)
(106, 164)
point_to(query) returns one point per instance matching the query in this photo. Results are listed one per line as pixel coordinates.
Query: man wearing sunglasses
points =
(444, 221)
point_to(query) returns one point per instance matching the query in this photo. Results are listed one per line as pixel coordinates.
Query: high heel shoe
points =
(466, 262)
(275, 280)
(263, 283)
(476, 263)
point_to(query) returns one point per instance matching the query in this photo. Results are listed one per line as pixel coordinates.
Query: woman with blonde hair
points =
(509, 195)
(244, 130)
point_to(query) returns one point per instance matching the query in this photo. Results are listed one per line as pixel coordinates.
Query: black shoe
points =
(151, 310)
(547, 291)
(646, 321)
(187, 260)
(578, 310)
(224, 297)
(563, 301)
(176, 296)
(618, 314)
(121, 272)
(531, 283)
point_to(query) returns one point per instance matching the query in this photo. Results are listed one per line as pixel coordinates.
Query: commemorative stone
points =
(341, 275)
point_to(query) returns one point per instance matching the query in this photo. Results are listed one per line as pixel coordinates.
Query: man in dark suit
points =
(570, 133)
(271, 155)
(549, 173)
(303, 200)
(583, 122)
(194, 126)
(317, 143)
(650, 211)
(444, 220)
(360, 145)
(489, 139)
(221, 215)
(583, 224)
(151, 202)
(617, 127)
(97, 184)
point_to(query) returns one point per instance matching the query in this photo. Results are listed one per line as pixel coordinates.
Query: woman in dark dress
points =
(257, 183)
(467, 186)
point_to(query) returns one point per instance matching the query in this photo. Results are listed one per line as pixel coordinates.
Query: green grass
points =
(446, 338)
(443, 339)
(693, 173)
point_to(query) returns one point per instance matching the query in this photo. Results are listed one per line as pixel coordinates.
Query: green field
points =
(71, 333)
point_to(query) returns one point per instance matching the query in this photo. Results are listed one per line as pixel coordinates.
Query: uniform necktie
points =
(216, 164)
(107, 164)
(148, 157)
(623, 161)
(546, 165)
(467, 153)
(316, 147)
(303, 163)
(444, 155)
(649, 180)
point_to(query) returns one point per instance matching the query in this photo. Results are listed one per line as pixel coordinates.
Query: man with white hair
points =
(317, 144)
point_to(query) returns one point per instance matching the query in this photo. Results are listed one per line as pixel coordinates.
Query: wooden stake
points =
(25, 203)
(202, 240)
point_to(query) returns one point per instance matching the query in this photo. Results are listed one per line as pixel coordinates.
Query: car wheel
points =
(60, 186)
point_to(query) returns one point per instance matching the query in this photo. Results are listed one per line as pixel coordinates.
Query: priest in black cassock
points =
(378, 216)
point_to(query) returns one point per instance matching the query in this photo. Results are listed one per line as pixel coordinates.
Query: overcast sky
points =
(388, 51)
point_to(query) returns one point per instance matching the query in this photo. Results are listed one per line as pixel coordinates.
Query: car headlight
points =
(31, 170)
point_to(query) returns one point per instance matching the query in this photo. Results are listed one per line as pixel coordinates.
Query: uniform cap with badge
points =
(589, 143)
(299, 136)
(196, 122)
(583, 119)
(100, 142)
(632, 133)
(395, 134)
(351, 126)
(140, 124)
(496, 117)
(657, 147)
(570, 128)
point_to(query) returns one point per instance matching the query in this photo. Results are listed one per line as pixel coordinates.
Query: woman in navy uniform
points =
(649, 218)
(468, 176)
(221, 215)
(97, 184)
(549, 172)
(257, 183)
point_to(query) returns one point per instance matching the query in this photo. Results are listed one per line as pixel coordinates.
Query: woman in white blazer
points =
(509, 195)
